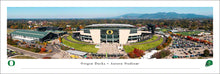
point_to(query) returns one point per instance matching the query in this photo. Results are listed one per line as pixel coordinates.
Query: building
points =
(158, 28)
(59, 33)
(49, 28)
(68, 25)
(55, 30)
(29, 22)
(111, 33)
(32, 36)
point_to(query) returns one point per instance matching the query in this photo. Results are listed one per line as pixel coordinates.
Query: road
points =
(56, 50)
(25, 52)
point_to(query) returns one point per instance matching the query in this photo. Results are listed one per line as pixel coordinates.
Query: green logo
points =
(208, 63)
(11, 63)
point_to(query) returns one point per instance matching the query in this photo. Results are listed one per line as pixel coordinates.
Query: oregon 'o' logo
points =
(109, 32)
(11, 63)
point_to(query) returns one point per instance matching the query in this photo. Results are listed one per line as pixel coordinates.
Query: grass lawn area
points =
(70, 38)
(23, 57)
(129, 48)
(189, 33)
(9, 30)
(81, 47)
(152, 39)
(164, 30)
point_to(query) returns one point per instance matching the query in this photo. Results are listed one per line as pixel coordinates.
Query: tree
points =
(201, 41)
(159, 47)
(136, 53)
(161, 54)
(210, 43)
(45, 44)
(32, 28)
(189, 37)
(81, 27)
(173, 34)
(64, 48)
(27, 46)
(165, 44)
(164, 53)
(205, 41)
(169, 38)
(60, 40)
(156, 55)
(11, 41)
(24, 42)
(207, 24)
(196, 39)
(170, 32)
(37, 50)
(178, 34)
(16, 27)
(50, 51)
(32, 47)
(206, 52)
(131, 55)
(42, 50)
(12, 27)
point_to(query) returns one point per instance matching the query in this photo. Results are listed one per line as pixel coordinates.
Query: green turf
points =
(129, 48)
(149, 40)
(70, 38)
(81, 47)
(189, 33)
(23, 57)
(164, 30)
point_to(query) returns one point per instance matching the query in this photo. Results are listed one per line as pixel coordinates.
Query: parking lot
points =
(183, 48)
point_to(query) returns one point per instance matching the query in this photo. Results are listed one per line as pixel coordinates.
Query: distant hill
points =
(162, 15)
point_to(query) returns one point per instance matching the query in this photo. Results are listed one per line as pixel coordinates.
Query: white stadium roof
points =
(110, 25)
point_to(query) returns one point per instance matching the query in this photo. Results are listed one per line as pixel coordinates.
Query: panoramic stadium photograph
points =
(109, 32)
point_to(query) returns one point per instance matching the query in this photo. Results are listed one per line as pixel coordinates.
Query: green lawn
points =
(70, 38)
(23, 57)
(189, 33)
(81, 47)
(152, 39)
(129, 48)
(164, 30)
